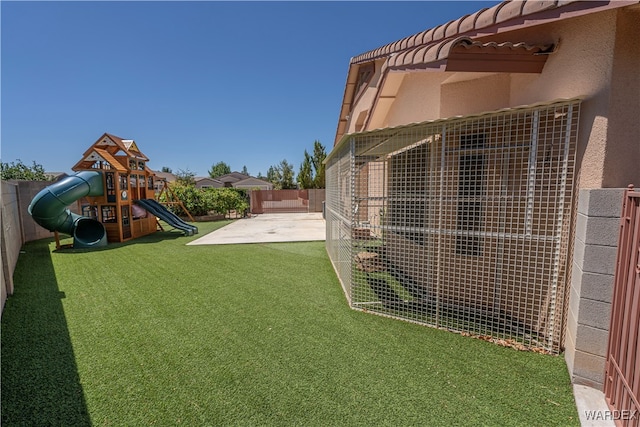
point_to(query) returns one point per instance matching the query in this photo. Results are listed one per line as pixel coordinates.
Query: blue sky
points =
(193, 83)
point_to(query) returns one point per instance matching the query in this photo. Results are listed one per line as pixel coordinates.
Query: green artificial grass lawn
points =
(153, 332)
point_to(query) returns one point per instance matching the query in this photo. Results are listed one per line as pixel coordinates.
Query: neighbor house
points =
(252, 183)
(475, 179)
(161, 178)
(208, 182)
(240, 180)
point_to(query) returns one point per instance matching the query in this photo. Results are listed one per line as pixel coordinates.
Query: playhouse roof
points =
(106, 148)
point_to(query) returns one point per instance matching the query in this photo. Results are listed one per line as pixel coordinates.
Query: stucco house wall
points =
(417, 99)
(596, 58)
(474, 96)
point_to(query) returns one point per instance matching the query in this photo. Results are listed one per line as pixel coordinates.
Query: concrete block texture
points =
(595, 258)
(596, 314)
(593, 286)
(26, 192)
(570, 341)
(592, 340)
(574, 303)
(588, 370)
(601, 202)
(11, 234)
(597, 230)
(594, 262)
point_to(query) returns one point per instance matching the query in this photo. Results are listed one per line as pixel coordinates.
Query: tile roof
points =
(252, 181)
(471, 25)
(460, 54)
(165, 176)
(426, 47)
(207, 178)
(232, 177)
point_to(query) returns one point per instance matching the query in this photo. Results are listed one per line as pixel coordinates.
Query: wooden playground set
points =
(114, 190)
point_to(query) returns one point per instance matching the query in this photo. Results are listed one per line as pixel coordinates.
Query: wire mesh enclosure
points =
(462, 224)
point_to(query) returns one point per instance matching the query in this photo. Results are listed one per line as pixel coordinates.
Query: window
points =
(109, 214)
(90, 211)
(470, 191)
(111, 187)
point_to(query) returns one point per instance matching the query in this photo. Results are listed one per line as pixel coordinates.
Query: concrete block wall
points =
(11, 238)
(17, 227)
(594, 263)
(26, 192)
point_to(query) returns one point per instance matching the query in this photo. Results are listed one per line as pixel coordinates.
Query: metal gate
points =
(622, 380)
(279, 201)
(287, 201)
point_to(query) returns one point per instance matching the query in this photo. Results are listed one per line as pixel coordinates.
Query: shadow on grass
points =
(40, 381)
(156, 237)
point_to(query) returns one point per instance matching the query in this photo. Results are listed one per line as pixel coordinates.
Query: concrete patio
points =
(268, 228)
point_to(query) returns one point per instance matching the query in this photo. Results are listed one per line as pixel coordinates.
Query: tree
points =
(19, 170)
(185, 177)
(275, 177)
(245, 170)
(202, 201)
(282, 176)
(288, 175)
(226, 200)
(166, 169)
(305, 178)
(312, 173)
(319, 155)
(219, 169)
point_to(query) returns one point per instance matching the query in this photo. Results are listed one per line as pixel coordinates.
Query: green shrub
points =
(193, 199)
(226, 200)
(201, 201)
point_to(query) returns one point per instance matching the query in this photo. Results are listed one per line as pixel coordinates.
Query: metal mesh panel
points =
(338, 216)
(461, 224)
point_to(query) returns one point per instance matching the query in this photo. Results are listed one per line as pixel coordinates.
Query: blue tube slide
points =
(49, 209)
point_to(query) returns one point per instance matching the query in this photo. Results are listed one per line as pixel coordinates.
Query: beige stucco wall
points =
(581, 66)
(473, 96)
(598, 58)
(622, 154)
(417, 99)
